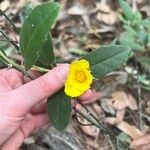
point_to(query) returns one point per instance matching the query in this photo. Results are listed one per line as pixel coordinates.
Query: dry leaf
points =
(91, 131)
(121, 100)
(131, 102)
(97, 108)
(103, 6)
(132, 131)
(92, 143)
(107, 106)
(120, 115)
(21, 4)
(110, 18)
(76, 10)
(4, 5)
(141, 143)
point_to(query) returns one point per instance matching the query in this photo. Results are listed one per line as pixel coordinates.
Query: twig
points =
(36, 68)
(5, 40)
(18, 67)
(87, 118)
(15, 45)
(145, 116)
(140, 106)
(9, 21)
(91, 121)
(92, 115)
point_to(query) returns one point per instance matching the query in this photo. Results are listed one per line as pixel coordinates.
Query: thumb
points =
(31, 93)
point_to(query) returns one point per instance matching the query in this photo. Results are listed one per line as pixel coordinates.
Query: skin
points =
(23, 103)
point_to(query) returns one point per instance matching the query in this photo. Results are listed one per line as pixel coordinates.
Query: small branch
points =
(3, 61)
(87, 118)
(92, 115)
(92, 122)
(98, 125)
(9, 21)
(18, 67)
(6, 40)
(15, 45)
(144, 116)
(36, 68)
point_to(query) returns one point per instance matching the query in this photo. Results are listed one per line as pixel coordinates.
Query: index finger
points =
(22, 99)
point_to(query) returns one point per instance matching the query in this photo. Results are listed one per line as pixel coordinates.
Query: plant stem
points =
(39, 69)
(92, 115)
(9, 21)
(91, 121)
(87, 118)
(18, 67)
(98, 126)
(15, 45)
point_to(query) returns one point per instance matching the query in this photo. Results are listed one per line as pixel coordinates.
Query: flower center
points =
(80, 76)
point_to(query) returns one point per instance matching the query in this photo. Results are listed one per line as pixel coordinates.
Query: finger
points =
(33, 121)
(39, 108)
(31, 93)
(28, 125)
(34, 74)
(12, 77)
(91, 97)
(4, 85)
(86, 95)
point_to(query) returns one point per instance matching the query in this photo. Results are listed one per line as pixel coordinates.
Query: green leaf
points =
(146, 23)
(59, 110)
(3, 64)
(127, 10)
(107, 58)
(130, 30)
(145, 62)
(142, 36)
(123, 141)
(46, 54)
(35, 30)
(137, 18)
(148, 44)
(128, 39)
(77, 51)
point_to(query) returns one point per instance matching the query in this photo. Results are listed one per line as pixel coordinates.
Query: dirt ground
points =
(120, 102)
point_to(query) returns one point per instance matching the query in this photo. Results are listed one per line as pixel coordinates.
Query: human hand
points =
(23, 105)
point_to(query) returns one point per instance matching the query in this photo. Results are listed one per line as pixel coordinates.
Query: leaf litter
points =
(116, 100)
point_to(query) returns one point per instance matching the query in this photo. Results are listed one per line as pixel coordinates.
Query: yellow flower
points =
(79, 78)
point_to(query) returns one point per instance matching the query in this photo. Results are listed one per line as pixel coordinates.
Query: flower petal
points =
(79, 78)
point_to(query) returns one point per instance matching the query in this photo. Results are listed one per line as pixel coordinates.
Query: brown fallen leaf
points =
(4, 5)
(91, 143)
(89, 130)
(97, 108)
(121, 100)
(107, 106)
(77, 9)
(141, 143)
(103, 6)
(132, 131)
(110, 18)
(120, 115)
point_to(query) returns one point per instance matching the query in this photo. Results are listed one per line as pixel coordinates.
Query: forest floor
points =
(122, 98)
